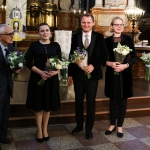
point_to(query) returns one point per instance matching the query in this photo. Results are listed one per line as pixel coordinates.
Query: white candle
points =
(74, 11)
(84, 12)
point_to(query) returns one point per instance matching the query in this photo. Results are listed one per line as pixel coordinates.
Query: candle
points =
(79, 11)
(74, 11)
(84, 12)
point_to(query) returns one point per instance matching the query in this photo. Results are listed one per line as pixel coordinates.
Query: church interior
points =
(64, 15)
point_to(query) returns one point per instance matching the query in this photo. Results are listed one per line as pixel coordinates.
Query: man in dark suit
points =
(95, 45)
(6, 84)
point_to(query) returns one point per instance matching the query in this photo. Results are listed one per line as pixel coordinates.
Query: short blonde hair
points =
(112, 23)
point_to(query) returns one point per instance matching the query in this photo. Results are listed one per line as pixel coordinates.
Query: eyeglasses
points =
(117, 25)
(9, 34)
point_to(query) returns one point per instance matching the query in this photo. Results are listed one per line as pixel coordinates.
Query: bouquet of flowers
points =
(53, 64)
(120, 53)
(80, 57)
(146, 59)
(15, 62)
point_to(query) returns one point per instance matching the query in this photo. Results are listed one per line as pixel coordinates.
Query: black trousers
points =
(82, 86)
(4, 113)
(118, 105)
(117, 111)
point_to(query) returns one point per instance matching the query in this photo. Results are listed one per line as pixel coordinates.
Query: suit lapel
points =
(1, 54)
(93, 39)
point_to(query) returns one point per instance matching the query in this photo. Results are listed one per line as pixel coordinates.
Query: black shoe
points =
(76, 131)
(0, 147)
(46, 138)
(119, 134)
(108, 132)
(89, 135)
(39, 139)
(5, 141)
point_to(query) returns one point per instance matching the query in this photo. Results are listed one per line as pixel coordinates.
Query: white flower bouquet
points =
(80, 57)
(53, 64)
(146, 59)
(120, 53)
(15, 62)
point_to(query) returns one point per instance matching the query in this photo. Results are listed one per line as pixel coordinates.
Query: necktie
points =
(86, 42)
(6, 51)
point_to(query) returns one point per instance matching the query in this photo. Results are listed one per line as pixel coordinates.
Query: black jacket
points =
(127, 78)
(97, 54)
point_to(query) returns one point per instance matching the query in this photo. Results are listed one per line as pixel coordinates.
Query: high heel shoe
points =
(108, 132)
(46, 138)
(39, 139)
(119, 134)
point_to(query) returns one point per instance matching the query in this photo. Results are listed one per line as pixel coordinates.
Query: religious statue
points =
(116, 3)
(65, 5)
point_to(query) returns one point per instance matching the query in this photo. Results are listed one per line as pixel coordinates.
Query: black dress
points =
(44, 97)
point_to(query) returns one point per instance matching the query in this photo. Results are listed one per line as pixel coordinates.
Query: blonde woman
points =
(118, 87)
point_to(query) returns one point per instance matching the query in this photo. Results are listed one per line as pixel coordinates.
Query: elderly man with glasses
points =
(6, 83)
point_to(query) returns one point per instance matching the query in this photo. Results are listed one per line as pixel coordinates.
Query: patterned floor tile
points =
(129, 122)
(97, 139)
(108, 146)
(64, 143)
(23, 133)
(132, 145)
(101, 125)
(139, 132)
(146, 141)
(8, 146)
(31, 145)
(58, 130)
(145, 120)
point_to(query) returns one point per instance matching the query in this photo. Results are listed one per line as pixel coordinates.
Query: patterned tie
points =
(86, 42)
(6, 51)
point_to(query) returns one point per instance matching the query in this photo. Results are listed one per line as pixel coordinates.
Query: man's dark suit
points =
(6, 90)
(97, 55)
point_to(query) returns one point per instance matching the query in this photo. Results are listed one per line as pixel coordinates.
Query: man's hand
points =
(17, 71)
(89, 68)
(70, 80)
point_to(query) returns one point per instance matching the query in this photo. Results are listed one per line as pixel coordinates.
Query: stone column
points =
(98, 3)
(131, 3)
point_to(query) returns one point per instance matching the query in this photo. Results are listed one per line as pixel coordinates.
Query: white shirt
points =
(3, 47)
(89, 37)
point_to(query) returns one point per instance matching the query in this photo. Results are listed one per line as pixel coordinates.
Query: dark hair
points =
(42, 24)
(87, 15)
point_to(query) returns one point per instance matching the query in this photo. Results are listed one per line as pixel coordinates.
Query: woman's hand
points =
(52, 73)
(88, 69)
(44, 74)
(113, 64)
(120, 67)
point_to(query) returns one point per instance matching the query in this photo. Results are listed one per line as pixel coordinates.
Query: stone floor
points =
(136, 137)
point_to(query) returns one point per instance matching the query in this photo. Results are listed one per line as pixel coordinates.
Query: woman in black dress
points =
(42, 99)
(118, 87)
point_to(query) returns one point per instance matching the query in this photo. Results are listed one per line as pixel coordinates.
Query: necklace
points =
(45, 46)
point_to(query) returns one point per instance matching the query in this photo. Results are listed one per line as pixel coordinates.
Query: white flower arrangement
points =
(122, 49)
(146, 58)
(54, 64)
(15, 62)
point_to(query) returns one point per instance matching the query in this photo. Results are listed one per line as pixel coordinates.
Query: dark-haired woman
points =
(118, 87)
(42, 99)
